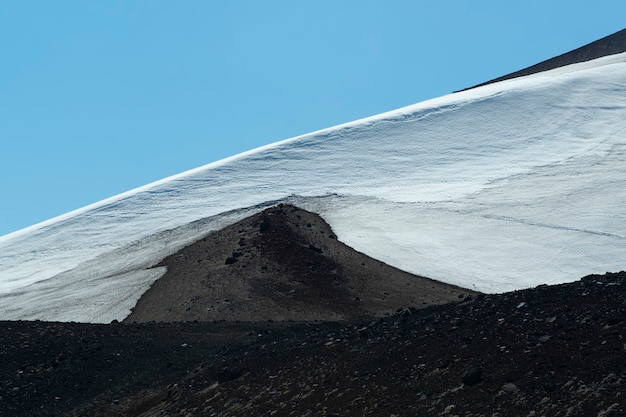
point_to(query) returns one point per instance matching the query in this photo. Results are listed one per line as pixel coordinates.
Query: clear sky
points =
(99, 97)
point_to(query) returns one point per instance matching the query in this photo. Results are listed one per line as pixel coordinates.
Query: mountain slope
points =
(609, 45)
(502, 187)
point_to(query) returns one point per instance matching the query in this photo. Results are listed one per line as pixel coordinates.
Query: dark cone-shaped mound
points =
(282, 264)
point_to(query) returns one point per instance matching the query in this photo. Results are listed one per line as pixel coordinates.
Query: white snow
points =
(503, 187)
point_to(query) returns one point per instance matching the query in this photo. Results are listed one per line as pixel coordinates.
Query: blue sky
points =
(99, 97)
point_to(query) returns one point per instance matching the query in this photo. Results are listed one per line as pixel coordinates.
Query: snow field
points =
(503, 187)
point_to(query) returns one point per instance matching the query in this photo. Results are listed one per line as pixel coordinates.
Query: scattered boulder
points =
(227, 375)
(315, 248)
(473, 376)
(265, 225)
(509, 388)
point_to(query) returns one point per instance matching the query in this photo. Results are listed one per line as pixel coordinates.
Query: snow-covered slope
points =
(502, 187)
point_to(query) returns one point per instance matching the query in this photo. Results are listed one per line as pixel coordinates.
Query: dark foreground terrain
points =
(548, 351)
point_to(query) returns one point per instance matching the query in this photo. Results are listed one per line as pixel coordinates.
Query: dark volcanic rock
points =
(609, 45)
(473, 376)
(404, 365)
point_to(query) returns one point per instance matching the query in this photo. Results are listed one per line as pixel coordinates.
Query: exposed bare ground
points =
(282, 264)
(549, 351)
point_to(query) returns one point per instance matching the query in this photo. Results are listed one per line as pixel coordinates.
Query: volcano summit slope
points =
(609, 45)
(502, 187)
(234, 289)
